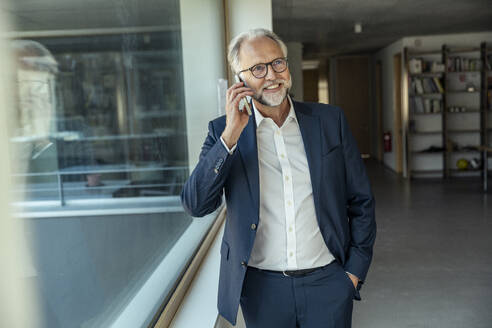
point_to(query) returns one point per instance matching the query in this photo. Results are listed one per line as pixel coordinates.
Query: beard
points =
(273, 99)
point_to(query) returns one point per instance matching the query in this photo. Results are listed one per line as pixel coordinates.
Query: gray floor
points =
(432, 264)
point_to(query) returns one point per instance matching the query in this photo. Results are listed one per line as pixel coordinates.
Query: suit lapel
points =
(311, 137)
(249, 154)
(310, 127)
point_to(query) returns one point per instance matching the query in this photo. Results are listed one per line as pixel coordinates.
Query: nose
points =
(270, 73)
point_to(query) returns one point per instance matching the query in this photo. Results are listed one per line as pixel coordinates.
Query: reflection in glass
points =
(100, 136)
(103, 123)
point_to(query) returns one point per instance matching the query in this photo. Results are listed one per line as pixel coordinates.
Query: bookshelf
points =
(486, 114)
(426, 101)
(449, 111)
(463, 81)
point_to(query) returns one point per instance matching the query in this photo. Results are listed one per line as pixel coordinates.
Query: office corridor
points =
(432, 265)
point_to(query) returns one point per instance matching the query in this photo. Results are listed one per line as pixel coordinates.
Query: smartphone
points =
(245, 101)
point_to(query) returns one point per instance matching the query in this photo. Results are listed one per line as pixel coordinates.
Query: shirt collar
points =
(259, 117)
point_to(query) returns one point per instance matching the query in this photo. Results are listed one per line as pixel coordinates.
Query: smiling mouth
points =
(273, 87)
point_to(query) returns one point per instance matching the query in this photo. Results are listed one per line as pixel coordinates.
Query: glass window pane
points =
(101, 121)
(101, 149)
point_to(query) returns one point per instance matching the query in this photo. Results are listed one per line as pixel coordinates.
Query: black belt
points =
(291, 273)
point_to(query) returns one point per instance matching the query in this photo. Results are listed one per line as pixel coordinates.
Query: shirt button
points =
(290, 229)
(253, 226)
(286, 178)
(282, 155)
(289, 203)
(291, 254)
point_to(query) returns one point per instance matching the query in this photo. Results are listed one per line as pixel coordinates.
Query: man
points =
(300, 221)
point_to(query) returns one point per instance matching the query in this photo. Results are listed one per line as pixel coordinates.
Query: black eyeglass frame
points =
(266, 65)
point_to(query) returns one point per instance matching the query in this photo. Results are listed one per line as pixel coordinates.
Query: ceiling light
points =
(358, 28)
(310, 64)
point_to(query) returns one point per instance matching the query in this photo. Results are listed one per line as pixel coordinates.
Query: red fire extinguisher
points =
(387, 141)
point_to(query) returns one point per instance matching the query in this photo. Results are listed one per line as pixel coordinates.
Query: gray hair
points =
(235, 45)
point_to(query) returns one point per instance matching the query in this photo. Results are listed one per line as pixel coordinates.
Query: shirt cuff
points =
(230, 151)
(353, 275)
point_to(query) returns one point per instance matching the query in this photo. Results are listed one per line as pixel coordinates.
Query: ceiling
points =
(326, 27)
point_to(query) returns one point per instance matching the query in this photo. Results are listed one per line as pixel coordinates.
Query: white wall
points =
(202, 33)
(200, 306)
(388, 94)
(241, 17)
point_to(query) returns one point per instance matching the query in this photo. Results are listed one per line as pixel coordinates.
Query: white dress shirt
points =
(288, 235)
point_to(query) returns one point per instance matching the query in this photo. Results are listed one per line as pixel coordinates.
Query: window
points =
(101, 151)
(101, 117)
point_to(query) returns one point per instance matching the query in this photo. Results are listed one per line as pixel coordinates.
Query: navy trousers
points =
(321, 299)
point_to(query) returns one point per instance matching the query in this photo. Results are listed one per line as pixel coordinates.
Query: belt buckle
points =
(285, 274)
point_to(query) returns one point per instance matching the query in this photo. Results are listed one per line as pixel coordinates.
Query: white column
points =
(202, 37)
(244, 15)
(295, 67)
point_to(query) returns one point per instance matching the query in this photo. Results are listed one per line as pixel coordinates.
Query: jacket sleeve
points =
(202, 192)
(360, 206)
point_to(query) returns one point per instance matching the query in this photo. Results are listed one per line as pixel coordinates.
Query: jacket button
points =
(243, 263)
(216, 171)
(253, 226)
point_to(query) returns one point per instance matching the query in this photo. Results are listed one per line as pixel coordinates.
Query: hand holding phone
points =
(243, 103)
(236, 117)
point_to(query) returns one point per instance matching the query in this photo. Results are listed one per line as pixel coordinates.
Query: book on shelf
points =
(437, 67)
(458, 64)
(432, 66)
(438, 84)
(419, 105)
(436, 105)
(428, 86)
(427, 105)
(419, 66)
(415, 66)
(420, 86)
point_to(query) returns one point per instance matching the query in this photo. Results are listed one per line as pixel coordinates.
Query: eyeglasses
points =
(261, 70)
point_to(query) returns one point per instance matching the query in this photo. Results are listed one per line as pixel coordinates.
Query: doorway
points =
(352, 95)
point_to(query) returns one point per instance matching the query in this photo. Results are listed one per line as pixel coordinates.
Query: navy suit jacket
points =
(342, 195)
